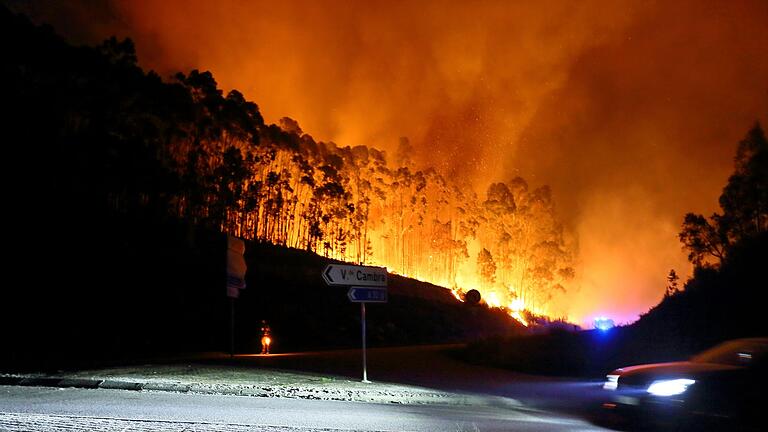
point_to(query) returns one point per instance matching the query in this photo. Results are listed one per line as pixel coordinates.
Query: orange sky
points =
(631, 111)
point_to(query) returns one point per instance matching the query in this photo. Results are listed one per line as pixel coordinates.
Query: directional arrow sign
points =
(337, 274)
(367, 295)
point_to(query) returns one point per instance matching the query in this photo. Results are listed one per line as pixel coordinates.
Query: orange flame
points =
(516, 307)
(456, 293)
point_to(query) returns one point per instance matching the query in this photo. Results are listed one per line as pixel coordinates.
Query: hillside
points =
(126, 288)
(120, 188)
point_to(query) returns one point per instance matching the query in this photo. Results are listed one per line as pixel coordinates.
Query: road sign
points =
(236, 269)
(236, 266)
(367, 285)
(234, 285)
(367, 295)
(337, 274)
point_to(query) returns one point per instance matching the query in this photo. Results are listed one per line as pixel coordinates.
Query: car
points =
(724, 385)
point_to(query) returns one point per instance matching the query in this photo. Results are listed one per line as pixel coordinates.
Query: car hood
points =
(643, 374)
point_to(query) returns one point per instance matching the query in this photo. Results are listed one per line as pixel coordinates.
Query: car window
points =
(742, 352)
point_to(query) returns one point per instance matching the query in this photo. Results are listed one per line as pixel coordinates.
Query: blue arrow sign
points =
(367, 295)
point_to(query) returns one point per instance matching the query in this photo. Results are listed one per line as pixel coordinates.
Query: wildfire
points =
(516, 307)
(456, 293)
(460, 108)
(362, 204)
(506, 243)
(493, 300)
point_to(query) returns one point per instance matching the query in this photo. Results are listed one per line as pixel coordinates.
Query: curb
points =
(167, 387)
(85, 383)
(121, 385)
(9, 380)
(41, 382)
(357, 395)
(82, 383)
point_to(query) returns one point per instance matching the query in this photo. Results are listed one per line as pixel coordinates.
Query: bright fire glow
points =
(493, 300)
(516, 305)
(516, 308)
(456, 293)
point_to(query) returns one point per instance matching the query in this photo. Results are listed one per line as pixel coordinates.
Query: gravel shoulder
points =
(259, 376)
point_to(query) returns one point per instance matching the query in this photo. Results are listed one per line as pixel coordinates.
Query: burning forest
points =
(275, 183)
(183, 149)
(543, 154)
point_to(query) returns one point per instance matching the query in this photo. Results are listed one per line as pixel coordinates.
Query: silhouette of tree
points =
(117, 52)
(745, 198)
(744, 204)
(672, 284)
(703, 238)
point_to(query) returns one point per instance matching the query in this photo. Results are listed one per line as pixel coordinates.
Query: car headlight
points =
(612, 382)
(669, 387)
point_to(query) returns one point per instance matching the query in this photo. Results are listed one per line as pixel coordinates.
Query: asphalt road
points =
(498, 400)
(37, 408)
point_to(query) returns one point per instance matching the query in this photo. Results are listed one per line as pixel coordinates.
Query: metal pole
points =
(231, 327)
(365, 368)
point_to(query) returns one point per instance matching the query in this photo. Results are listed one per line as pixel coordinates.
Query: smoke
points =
(644, 130)
(630, 110)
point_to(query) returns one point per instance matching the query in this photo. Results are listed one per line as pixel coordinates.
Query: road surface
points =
(38, 408)
(489, 399)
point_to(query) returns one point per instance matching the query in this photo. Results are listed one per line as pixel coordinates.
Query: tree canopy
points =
(744, 205)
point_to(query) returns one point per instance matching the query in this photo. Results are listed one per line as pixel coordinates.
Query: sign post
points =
(365, 360)
(366, 285)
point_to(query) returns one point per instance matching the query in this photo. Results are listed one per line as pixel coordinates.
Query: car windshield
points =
(742, 352)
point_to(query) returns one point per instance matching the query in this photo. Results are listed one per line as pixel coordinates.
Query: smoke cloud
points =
(631, 111)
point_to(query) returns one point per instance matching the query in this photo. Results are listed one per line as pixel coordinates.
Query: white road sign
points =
(236, 266)
(337, 274)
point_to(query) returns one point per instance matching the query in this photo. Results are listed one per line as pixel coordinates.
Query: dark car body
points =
(725, 383)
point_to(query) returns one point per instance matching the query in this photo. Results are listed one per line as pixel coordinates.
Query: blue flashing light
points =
(603, 323)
